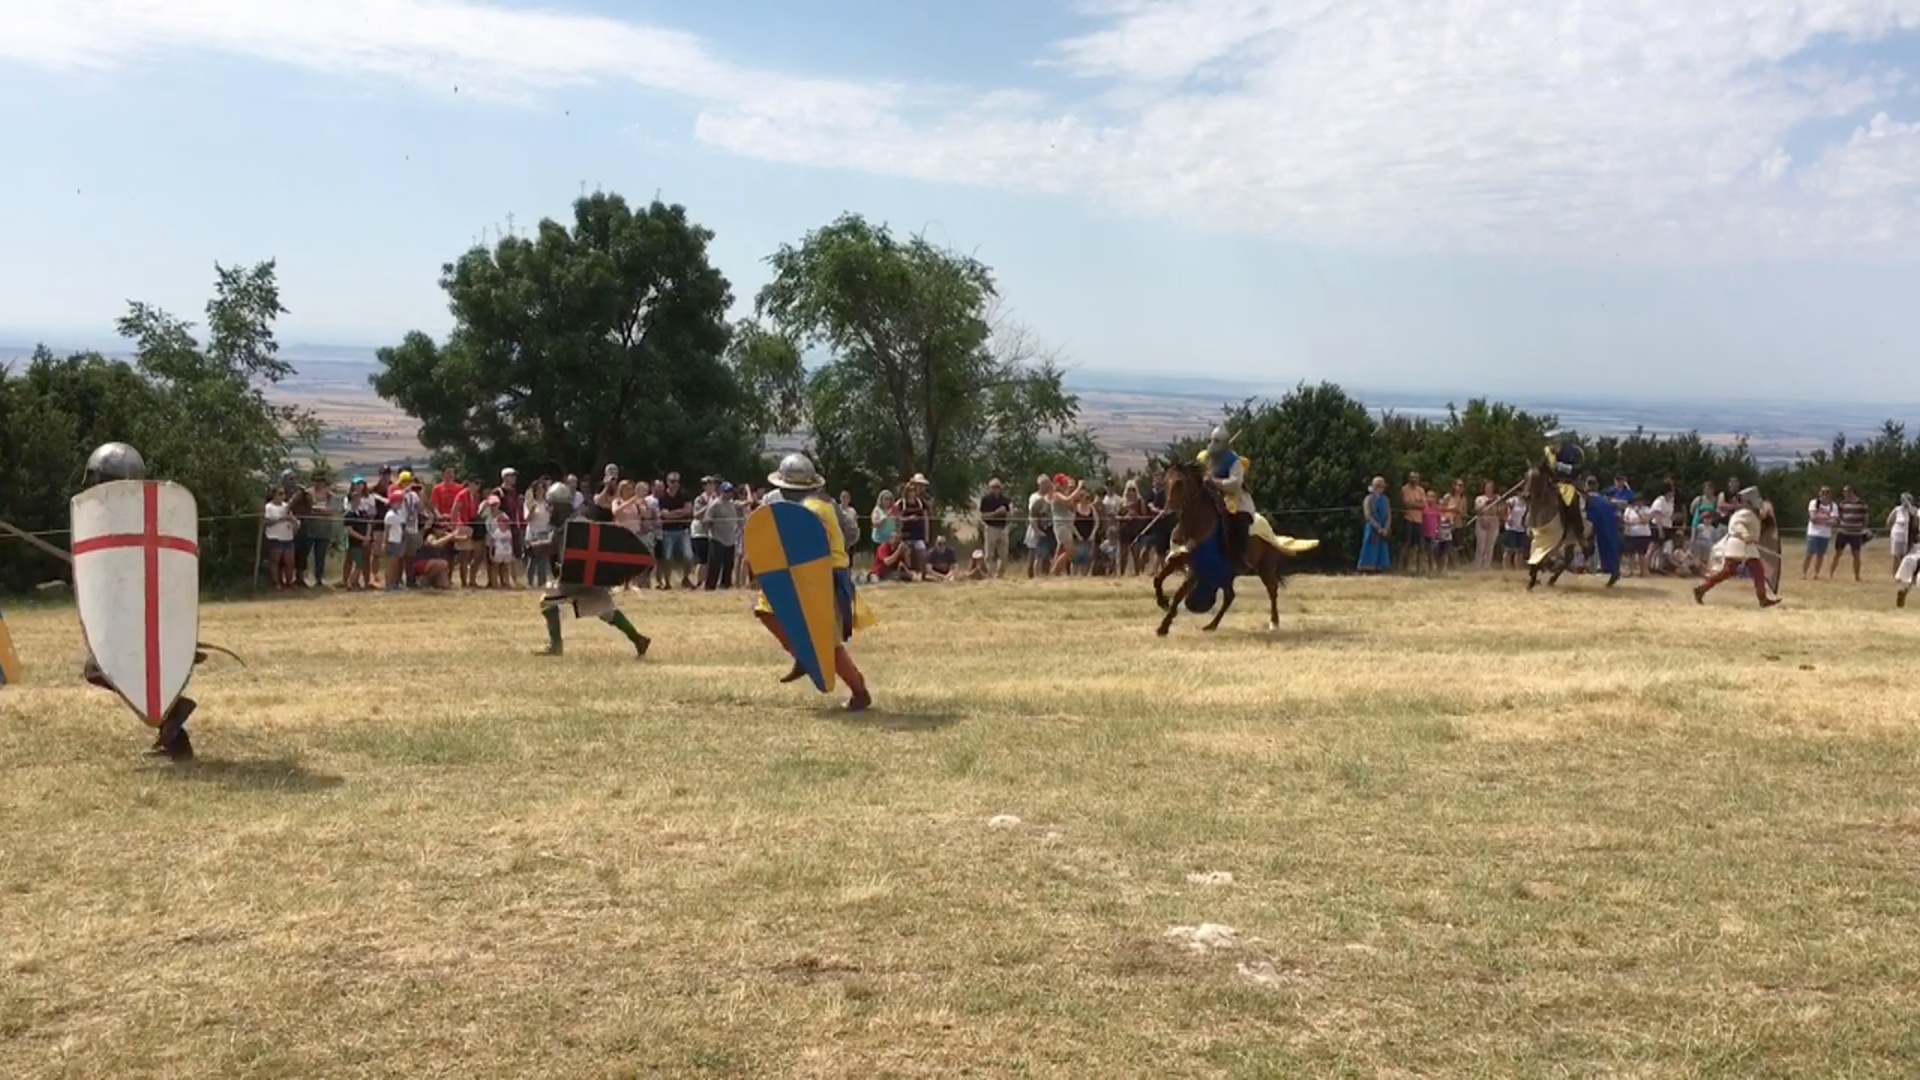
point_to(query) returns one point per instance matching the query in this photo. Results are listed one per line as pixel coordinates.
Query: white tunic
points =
(1743, 535)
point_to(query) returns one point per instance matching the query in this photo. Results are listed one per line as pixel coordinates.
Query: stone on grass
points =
(1206, 937)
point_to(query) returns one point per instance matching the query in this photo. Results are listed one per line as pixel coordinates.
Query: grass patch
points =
(1470, 831)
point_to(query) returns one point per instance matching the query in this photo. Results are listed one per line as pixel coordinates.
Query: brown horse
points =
(1198, 513)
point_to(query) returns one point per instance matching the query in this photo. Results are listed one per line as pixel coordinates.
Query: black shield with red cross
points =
(602, 554)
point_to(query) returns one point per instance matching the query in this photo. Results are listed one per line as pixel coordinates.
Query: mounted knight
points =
(1226, 477)
(1214, 538)
(1556, 520)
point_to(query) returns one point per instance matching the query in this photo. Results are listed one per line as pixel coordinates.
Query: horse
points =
(1198, 550)
(1547, 511)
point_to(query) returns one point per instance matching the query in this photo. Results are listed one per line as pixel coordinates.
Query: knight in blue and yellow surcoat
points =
(1241, 524)
(1227, 476)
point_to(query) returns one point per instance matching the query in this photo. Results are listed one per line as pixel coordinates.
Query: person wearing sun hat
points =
(797, 481)
(915, 511)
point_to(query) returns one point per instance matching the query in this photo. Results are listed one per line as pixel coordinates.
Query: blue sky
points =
(1609, 197)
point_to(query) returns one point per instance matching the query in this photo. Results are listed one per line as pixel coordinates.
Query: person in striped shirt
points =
(1851, 533)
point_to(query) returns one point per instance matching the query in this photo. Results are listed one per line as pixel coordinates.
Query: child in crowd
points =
(394, 528)
(499, 546)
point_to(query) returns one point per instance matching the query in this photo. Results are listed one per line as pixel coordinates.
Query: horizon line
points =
(1248, 385)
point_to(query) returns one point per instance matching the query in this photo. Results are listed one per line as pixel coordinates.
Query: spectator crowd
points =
(1436, 531)
(396, 532)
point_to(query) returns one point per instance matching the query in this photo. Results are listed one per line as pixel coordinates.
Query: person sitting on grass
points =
(977, 569)
(433, 563)
(940, 560)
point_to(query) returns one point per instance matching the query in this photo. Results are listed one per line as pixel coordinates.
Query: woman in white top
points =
(539, 536)
(1822, 514)
(281, 528)
(1514, 536)
(1899, 531)
(1638, 522)
(1661, 514)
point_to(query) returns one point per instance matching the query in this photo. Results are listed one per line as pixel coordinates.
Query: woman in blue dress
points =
(1374, 555)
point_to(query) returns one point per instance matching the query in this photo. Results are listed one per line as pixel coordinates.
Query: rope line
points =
(1465, 525)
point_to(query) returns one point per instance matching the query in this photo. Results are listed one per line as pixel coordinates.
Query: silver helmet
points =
(1218, 439)
(559, 495)
(115, 461)
(796, 473)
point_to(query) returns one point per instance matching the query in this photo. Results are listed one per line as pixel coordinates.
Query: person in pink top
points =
(1430, 531)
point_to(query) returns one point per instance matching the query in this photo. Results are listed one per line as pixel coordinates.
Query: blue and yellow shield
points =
(788, 549)
(9, 660)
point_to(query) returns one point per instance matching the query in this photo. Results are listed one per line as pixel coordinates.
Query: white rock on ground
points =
(1205, 938)
(1211, 877)
(1002, 821)
(1261, 972)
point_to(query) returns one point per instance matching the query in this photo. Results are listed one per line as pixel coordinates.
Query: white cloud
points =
(1597, 128)
(481, 48)
(1606, 128)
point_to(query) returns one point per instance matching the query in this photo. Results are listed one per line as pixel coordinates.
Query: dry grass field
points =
(1470, 832)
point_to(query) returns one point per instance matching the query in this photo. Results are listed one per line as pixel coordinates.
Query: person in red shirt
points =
(445, 492)
(469, 532)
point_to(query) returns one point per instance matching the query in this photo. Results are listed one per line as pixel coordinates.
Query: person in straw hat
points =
(797, 481)
(1742, 548)
(916, 516)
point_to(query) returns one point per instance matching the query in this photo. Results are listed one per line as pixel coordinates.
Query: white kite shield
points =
(136, 577)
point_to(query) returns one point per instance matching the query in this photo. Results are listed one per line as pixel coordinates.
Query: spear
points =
(14, 530)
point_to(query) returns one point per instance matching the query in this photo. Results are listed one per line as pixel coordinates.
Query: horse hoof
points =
(1209, 629)
(1162, 632)
(1273, 627)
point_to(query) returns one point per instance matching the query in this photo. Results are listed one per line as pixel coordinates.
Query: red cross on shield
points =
(136, 580)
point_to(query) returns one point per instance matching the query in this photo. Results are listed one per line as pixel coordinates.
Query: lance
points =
(14, 530)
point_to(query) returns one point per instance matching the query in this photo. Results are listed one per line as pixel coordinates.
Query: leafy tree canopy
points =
(198, 413)
(603, 341)
(923, 378)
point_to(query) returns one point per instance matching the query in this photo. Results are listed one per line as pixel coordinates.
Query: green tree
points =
(199, 415)
(772, 378)
(603, 341)
(1485, 441)
(921, 380)
(1310, 457)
